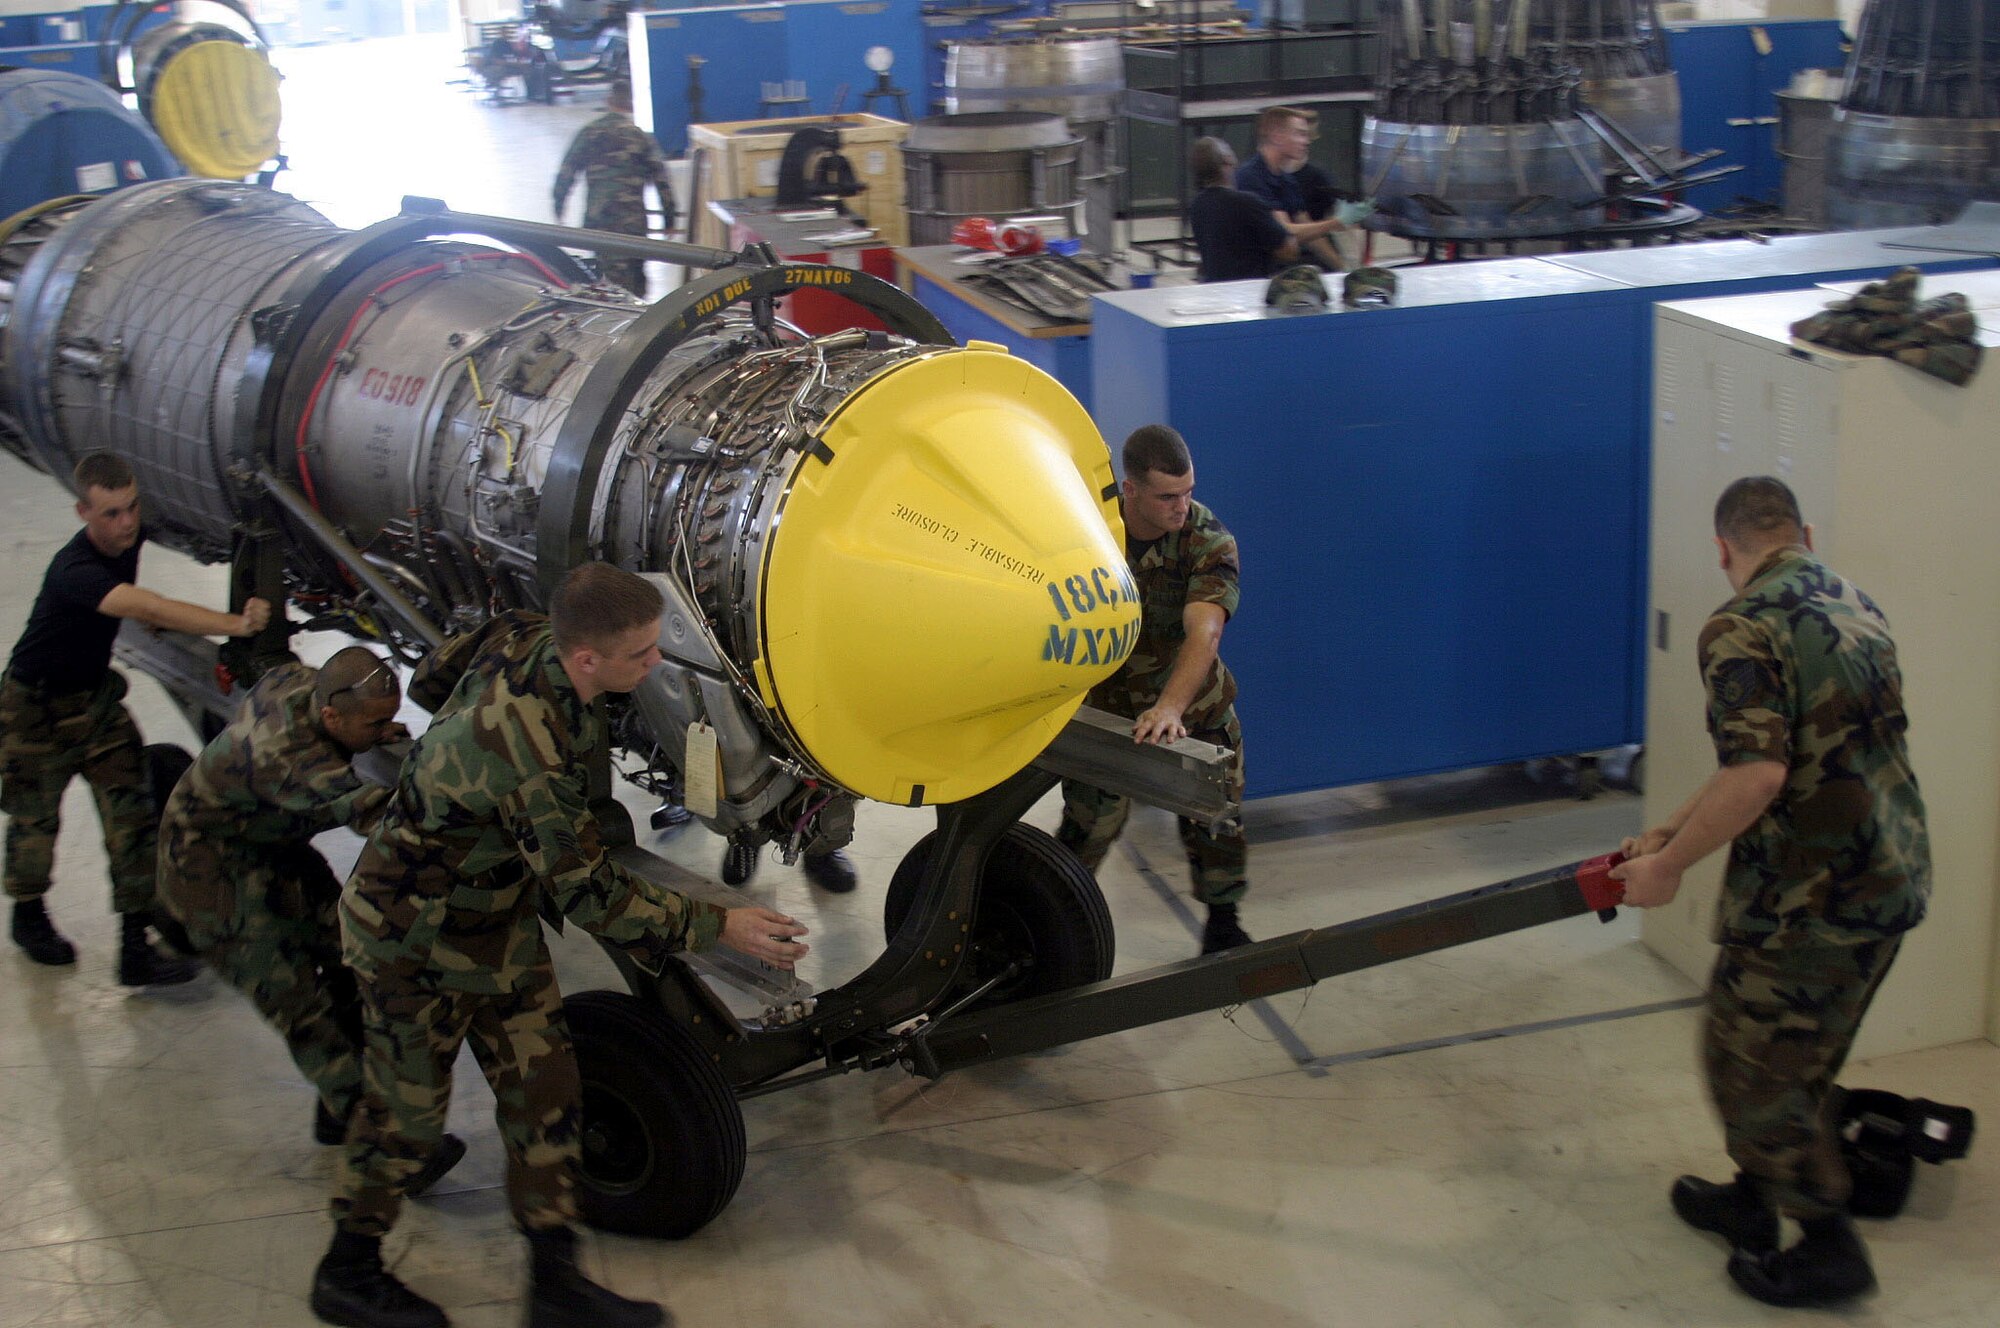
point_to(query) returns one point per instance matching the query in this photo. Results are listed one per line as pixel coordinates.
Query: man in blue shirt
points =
(1277, 176)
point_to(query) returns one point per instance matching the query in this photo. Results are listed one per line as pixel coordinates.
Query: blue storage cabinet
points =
(1442, 506)
(825, 41)
(79, 58)
(1729, 87)
(63, 40)
(743, 47)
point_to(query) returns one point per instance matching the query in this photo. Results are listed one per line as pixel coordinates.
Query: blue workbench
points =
(1442, 506)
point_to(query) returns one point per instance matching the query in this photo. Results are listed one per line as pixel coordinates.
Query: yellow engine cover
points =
(941, 590)
(216, 106)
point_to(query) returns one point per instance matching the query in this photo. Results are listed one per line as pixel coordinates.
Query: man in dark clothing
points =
(1279, 175)
(62, 715)
(618, 160)
(1235, 234)
(1829, 865)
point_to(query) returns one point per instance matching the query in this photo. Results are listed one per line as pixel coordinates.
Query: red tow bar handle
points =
(1593, 878)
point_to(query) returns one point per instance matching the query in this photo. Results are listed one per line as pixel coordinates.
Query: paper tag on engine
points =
(702, 771)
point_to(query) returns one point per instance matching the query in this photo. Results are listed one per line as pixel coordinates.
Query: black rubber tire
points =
(1036, 902)
(663, 1142)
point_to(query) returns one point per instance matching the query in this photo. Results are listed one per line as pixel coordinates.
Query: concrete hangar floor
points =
(1480, 1138)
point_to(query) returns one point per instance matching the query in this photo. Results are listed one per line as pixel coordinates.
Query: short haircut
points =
(597, 602)
(1757, 510)
(1273, 118)
(102, 470)
(1209, 161)
(354, 676)
(621, 92)
(1156, 447)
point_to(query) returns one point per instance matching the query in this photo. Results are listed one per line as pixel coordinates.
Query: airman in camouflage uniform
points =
(1829, 866)
(238, 869)
(62, 714)
(439, 921)
(617, 160)
(1174, 684)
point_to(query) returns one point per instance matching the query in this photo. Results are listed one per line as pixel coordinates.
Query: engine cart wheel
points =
(663, 1143)
(1038, 905)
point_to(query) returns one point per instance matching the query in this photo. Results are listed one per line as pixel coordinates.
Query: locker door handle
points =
(1660, 620)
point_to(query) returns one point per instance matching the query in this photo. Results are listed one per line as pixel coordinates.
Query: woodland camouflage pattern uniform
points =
(47, 738)
(1197, 563)
(1800, 669)
(616, 158)
(439, 922)
(238, 868)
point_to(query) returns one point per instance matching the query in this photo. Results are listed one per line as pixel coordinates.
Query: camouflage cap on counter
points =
(1297, 290)
(1369, 285)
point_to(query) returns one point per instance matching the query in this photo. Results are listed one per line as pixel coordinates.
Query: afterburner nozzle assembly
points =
(893, 566)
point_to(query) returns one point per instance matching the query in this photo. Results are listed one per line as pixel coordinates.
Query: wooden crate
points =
(739, 159)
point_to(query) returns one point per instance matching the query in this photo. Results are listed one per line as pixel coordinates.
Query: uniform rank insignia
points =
(1739, 682)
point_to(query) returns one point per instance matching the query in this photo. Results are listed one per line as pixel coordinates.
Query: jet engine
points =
(1917, 134)
(892, 565)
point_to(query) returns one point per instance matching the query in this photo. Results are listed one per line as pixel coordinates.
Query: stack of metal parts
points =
(1079, 78)
(1501, 119)
(1917, 135)
(1049, 286)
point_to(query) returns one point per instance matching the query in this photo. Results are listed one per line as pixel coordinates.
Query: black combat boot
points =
(1736, 1211)
(1222, 931)
(560, 1296)
(34, 933)
(1827, 1267)
(353, 1289)
(831, 871)
(739, 863)
(140, 964)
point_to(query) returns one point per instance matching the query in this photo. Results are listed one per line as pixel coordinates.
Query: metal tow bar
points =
(1265, 968)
